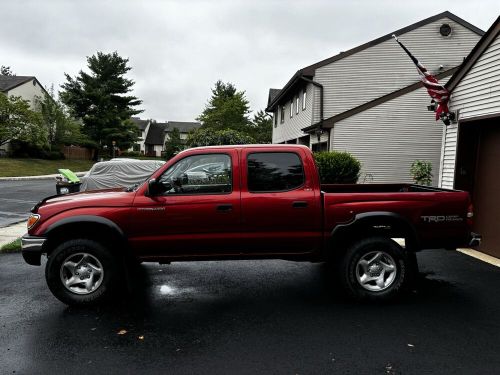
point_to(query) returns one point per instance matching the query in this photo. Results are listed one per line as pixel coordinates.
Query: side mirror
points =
(155, 188)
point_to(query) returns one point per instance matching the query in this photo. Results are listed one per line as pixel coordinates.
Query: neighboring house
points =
(471, 148)
(158, 132)
(27, 87)
(143, 126)
(369, 101)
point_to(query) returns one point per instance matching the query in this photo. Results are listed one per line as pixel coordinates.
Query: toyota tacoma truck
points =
(244, 202)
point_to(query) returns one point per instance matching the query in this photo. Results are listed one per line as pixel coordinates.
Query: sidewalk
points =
(12, 232)
(43, 177)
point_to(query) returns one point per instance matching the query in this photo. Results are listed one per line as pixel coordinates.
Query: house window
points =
(297, 102)
(291, 108)
(276, 118)
(304, 97)
(282, 115)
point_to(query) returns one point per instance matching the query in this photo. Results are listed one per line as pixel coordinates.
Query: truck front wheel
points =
(81, 272)
(377, 268)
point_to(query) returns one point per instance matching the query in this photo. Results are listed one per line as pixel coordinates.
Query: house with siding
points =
(158, 132)
(142, 128)
(26, 87)
(369, 100)
(471, 147)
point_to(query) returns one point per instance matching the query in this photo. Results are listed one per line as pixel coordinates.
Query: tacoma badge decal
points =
(151, 209)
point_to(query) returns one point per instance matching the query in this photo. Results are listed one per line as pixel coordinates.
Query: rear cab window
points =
(274, 172)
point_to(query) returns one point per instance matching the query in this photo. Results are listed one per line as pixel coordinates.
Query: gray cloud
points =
(178, 49)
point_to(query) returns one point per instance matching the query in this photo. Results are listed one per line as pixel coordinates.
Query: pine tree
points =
(102, 101)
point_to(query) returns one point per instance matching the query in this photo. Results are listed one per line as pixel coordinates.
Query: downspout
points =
(319, 130)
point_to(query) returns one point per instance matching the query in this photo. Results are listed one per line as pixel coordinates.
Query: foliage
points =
(226, 109)
(421, 171)
(11, 247)
(261, 129)
(208, 137)
(337, 167)
(19, 122)
(61, 128)
(173, 144)
(130, 153)
(6, 71)
(102, 100)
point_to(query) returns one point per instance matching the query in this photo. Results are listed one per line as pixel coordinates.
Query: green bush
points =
(421, 171)
(337, 167)
(131, 153)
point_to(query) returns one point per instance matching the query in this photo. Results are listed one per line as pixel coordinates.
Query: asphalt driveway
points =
(17, 198)
(255, 317)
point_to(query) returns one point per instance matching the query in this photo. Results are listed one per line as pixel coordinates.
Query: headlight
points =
(32, 220)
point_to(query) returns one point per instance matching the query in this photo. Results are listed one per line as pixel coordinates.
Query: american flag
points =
(437, 92)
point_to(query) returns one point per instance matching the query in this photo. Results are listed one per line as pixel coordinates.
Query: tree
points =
(208, 137)
(5, 71)
(102, 101)
(173, 144)
(262, 127)
(226, 109)
(62, 129)
(19, 122)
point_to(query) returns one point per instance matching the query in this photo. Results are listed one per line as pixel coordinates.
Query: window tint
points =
(199, 174)
(274, 171)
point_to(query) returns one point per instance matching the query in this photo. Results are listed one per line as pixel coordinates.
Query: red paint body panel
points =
(258, 224)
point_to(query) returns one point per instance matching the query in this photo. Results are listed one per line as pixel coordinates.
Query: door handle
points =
(224, 207)
(299, 204)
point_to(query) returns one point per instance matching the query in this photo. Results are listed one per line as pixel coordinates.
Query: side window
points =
(274, 171)
(199, 174)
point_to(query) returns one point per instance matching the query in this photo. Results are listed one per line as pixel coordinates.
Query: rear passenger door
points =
(280, 209)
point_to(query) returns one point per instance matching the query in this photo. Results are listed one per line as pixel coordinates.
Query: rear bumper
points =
(475, 239)
(31, 248)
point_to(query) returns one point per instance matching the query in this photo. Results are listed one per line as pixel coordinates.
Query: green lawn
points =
(11, 247)
(36, 167)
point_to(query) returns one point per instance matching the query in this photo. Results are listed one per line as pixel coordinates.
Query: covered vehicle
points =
(118, 172)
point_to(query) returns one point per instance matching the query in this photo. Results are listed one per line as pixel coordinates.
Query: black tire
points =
(109, 280)
(404, 265)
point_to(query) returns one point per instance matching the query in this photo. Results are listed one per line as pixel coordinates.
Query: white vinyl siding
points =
(291, 128)
(385, 67)
(477, 94)
(389, 137)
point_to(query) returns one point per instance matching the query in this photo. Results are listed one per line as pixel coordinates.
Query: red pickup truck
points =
(244, 202)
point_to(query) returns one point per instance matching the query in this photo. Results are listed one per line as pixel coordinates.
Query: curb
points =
(43, 177)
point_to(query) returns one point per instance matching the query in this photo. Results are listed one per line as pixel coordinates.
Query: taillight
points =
(470, 214)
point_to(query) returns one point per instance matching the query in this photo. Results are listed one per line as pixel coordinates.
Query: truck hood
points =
(116, 197)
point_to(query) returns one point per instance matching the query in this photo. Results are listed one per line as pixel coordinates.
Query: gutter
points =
(319, 129)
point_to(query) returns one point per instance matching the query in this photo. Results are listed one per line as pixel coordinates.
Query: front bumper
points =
(31, 248)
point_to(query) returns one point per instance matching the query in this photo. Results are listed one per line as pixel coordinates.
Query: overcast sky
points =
(178, 49)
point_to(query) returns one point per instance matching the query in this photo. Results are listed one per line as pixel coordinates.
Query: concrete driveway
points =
(255, 317)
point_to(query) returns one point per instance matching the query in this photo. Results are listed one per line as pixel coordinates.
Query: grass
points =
(37, 167)
(11, 247)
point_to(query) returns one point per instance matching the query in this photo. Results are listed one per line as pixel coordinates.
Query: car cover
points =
(118, 173)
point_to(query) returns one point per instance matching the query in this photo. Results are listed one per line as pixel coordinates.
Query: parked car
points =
(118, 172)
(262, 202)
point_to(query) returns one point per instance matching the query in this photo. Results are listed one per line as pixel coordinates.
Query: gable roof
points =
(309, 71)
(156, 133)
(140, 123)
(183, 126)
(273, 93)
(10, 82)
(481, 46)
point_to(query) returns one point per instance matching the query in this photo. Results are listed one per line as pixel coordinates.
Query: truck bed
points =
(379, 188)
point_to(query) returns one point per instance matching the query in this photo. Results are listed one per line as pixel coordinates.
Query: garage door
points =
(487, 189)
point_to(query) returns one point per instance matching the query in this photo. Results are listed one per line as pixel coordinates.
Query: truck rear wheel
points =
(377, 269)
(81, 272)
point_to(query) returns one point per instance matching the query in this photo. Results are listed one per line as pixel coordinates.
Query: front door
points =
(197, 214)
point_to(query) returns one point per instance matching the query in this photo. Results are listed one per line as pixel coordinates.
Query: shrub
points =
(337, 167)
(54, 155)
(421, 171)
(131, 153)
